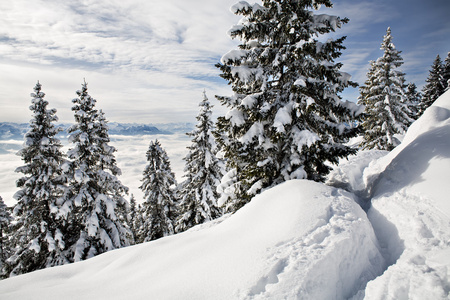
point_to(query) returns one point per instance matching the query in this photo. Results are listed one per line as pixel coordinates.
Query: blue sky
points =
(149, 61)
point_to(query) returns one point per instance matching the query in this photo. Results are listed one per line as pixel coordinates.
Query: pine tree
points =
(203, 172)
(386, 105)
(285, 119)
(37, 238)
(446, 72)
(434, 87)
(93, 205)
(5, 221)
(160, 207)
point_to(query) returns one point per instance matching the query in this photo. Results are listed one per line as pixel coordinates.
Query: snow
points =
(298, 240)
(264, 250)
(235, 54)
(236, 117)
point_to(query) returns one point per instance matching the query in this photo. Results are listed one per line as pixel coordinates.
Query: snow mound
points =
(299, 240)
(407, 196)
(411, 211)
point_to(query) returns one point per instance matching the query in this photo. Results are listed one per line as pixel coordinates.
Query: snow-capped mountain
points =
(299, 240)
(16, 131)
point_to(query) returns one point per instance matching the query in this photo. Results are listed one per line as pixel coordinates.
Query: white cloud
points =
(137, 56)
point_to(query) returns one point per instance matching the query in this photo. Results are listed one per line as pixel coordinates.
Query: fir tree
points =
(434, 87)
(446, 72)
(138, 225)
(135, 219)
(285, 119)
(38, 236)
(160, 207)
(386, 105)
(413, 101)
(93, 205)
(203, 173)
(5, 220)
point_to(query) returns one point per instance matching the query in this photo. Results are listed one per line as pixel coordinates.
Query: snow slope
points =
(412, 196)
(289, 242)
(299, 240)
(409, 190)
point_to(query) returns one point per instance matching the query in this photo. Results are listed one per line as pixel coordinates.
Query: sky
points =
(150, 61)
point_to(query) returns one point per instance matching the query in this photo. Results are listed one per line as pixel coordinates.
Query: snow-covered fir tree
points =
(446, 72)
(383, 95)
(285, 119)
(93, 203)
(138, 225)
(38, 235)
(135, 220)
(435, 85)
(203, 171)
(159, 209)
(5, 221)
(414, 98)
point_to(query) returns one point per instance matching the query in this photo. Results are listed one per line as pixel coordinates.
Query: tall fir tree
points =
(434, 87)
(38, 236)
(5, 249)
(159, 209)
(93, 205)
(384, 97)
(285, 119)
(203, 171)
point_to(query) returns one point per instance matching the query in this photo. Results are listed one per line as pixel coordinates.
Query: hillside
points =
(299, 240)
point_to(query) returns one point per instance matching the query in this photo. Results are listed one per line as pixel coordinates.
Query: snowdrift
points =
(299, 240)
(408, 192)
(412, 197)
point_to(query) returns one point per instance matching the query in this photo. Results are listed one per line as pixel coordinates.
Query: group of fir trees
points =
(286, 119)
(437, 82)
(169, 208)
(391, 105)
(72, 207)
(387, 109)
(68, 208)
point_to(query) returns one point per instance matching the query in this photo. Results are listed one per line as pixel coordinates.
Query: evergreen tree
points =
(38, 236)
(285, 119)
(386, 105)
(135, 220)
(93, 206)
(413, 101)
(160, 207)
(446, 72)
(203, 173)
(5, 220)
(138, 225)
(434, 87)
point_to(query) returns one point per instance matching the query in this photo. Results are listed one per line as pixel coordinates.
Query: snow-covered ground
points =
(299, 240)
